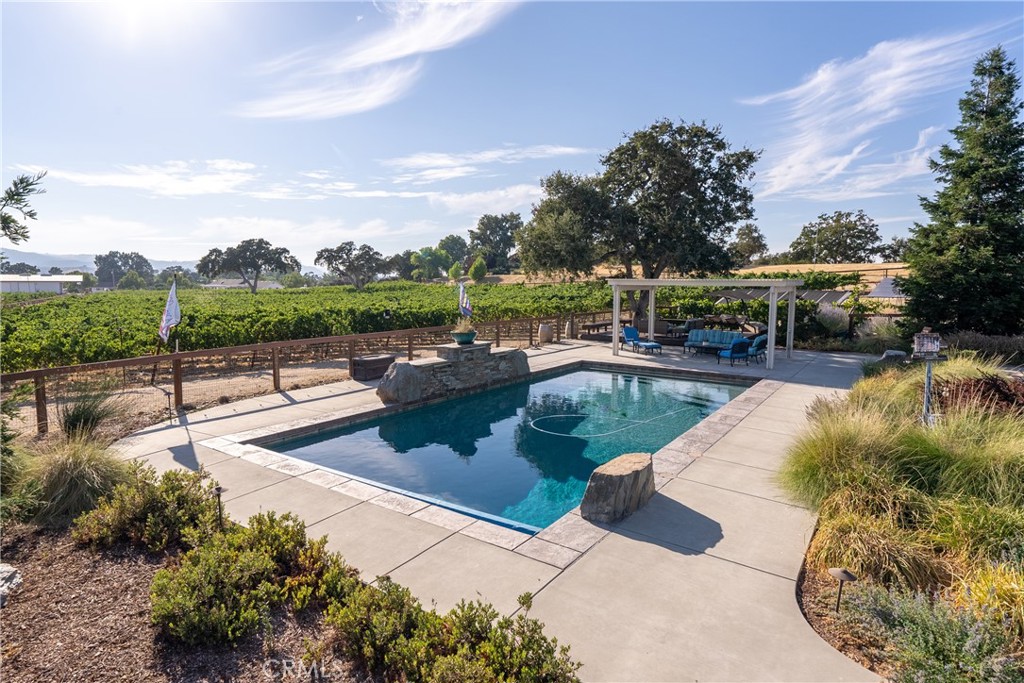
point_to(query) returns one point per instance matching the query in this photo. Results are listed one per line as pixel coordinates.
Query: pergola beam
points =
(775, 288)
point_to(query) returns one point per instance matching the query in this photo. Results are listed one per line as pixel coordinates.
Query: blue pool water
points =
(522, 453)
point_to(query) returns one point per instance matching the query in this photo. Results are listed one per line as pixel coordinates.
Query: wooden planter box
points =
(371, 367)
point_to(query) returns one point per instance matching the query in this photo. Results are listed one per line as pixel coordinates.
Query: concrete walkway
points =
(698, 585)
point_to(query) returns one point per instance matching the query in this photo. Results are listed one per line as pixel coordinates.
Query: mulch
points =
(816, 593)
(83, 615)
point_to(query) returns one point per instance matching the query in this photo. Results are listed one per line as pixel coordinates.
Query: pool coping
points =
(559, 544)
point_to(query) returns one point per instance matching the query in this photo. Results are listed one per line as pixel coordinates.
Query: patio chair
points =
(631, 336)
(759, 347)
(739, 350)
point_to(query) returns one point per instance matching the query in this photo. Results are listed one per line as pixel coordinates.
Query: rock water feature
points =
(457, 368)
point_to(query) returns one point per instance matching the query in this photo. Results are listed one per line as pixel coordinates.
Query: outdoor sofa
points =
(713, 339)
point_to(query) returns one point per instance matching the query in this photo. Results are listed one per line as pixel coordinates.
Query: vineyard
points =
(106, 326)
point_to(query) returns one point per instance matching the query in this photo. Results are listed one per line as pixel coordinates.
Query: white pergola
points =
(774, 287)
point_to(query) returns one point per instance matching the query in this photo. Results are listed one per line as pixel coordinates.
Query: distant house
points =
(38, 283)
(238, 284)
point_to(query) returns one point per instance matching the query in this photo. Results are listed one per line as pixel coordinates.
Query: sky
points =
(172, 128)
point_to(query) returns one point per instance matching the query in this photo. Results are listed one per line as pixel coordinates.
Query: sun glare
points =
(133, 23)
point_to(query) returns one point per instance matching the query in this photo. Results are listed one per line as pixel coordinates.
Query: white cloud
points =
(515, 197)
(323, 98)
(170, 179)
(215, 177)
(428, 167)
(826, 149)
(382, 194)
(330, 81)
(419, 28)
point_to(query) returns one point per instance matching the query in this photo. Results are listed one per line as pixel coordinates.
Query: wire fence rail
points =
(158, 386)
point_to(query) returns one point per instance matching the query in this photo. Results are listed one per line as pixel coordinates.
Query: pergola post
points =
(616, 311)
(791, 323)
(773, 318)
(650, 312)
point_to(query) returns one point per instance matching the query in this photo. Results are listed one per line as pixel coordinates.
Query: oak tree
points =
(839, 237)
(249, 260)
(358, 266)
(114, 265)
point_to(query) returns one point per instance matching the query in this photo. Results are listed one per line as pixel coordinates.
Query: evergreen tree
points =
(967, 263)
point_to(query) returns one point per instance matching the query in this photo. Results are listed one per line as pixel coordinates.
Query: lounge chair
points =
(631, 336)
(739, 350)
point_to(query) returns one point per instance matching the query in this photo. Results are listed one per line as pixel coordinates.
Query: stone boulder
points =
(618, 488)
(402, 383)
(10, 579)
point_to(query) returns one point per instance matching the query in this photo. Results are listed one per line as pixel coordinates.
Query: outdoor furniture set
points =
(723, 343)
(727, 344)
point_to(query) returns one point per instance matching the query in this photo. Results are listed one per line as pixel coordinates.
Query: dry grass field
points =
(871, 272)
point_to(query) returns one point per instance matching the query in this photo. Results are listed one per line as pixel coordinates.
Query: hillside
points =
(871, 272)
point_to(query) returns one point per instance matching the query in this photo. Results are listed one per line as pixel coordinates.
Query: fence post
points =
(351, 355)
(497, 333)
(558, 328)
(178, 400)
(276, 364)
(42, 423)
(408, 345)
(531, 331)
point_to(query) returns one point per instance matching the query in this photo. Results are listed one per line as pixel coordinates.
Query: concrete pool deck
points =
(698, 585)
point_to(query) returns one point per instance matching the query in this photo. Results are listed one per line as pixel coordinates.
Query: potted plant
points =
(464, 332)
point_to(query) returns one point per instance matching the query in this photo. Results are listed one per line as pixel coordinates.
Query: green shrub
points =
(224, 587)
(935, 641)
(281, 538)
(881, 497)
(978, 532)
(877, 548)
(375, 626)
(81, 417)
(460, 668)
(216, 594)
(16, 501)
(70, 477)
(517, 649)
(967, 453)
(320, 577)
(842, 447)
(178, 508)
(996, 589)
(880, 334)
(1010, 348)
(833, 320)
(18, 497)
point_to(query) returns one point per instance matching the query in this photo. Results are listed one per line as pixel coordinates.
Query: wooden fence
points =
(328, 357)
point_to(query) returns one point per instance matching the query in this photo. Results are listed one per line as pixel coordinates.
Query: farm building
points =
(38, 283)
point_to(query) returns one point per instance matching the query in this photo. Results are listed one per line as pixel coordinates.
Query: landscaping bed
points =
(929, 517)
(82, 615)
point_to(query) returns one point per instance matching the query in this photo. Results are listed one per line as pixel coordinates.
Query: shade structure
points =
(776, 288)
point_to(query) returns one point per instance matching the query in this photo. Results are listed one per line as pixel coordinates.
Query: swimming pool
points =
(520, 454)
